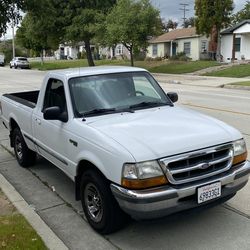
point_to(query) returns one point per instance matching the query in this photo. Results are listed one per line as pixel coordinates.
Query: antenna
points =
(184, 9)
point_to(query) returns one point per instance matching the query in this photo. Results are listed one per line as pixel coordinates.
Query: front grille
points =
(198, 165)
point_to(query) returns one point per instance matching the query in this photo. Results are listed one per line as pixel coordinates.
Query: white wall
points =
(245, 46)
(160, 50)
(194, 47)
(226, 47)
(164, 48)
(243, 29)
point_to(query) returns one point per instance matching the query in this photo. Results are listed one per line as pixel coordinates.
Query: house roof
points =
(175, 34)
(235, 27)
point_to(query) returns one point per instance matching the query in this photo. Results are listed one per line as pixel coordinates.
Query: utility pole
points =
(13, 39)
(184, 9)
(13, 31)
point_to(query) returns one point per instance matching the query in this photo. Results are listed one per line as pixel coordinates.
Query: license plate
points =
(209, 192)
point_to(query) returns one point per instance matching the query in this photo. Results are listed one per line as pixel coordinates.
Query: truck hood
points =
(160, 132)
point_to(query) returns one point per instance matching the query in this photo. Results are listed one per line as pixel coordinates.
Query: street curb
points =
(228, 86)
(48, 236)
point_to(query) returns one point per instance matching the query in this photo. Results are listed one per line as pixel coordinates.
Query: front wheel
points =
(24, 155)
(100, 207)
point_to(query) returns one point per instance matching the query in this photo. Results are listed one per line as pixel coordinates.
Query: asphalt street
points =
(51, 193)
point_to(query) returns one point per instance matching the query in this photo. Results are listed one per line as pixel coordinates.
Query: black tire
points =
(24, 155)
(15, 66)
(10, 67)
(108, 216)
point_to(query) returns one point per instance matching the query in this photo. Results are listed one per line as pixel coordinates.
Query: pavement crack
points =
(44, 209)
(236, 211)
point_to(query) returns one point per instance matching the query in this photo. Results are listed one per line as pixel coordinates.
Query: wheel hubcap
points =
(19, 148)
(93, 202)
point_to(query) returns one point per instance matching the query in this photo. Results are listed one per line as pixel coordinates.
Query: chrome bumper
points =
(165, 200)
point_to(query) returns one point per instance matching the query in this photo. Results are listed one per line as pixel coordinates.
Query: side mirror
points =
(173, 96)
(54, 113)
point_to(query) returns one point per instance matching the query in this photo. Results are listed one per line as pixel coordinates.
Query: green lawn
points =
(153, 66)
(16, 233)
(183, 67)
(234, 71)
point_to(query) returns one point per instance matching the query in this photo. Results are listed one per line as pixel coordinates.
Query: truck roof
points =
(98, 70)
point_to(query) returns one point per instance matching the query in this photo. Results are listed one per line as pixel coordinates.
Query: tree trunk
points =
(88, 52)
(218, 54)
(131, 55)
(41, 55)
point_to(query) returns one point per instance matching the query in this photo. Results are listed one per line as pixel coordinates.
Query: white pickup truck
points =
(127, 147)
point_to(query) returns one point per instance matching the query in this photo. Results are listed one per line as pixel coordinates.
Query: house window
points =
(237, 43)
(119, 50)
(155, 50)
(187, 48)
(203, 46)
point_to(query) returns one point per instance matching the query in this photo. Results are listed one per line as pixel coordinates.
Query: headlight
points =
(240, 151)
(142, 175)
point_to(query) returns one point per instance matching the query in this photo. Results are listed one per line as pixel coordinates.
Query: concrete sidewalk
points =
(194, 80)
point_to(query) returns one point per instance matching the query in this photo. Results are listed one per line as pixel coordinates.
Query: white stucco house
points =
(179, 40)
(69, 51)
(235, 42)
(119, 52)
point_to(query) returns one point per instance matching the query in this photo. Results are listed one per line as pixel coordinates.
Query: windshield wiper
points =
(149, 104)
(99, 111)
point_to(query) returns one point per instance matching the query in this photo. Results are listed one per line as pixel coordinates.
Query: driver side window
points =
(143, 87)
(55, 95)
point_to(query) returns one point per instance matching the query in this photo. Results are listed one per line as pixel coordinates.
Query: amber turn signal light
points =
(145, 183)
(240, 158)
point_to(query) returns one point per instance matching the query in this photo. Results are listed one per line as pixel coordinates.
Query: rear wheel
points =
(101, 209)
(24, 155)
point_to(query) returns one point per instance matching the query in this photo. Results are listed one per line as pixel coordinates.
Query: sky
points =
(170, 9)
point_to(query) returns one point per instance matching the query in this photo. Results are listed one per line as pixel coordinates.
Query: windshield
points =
(22, 59)
(102, 94)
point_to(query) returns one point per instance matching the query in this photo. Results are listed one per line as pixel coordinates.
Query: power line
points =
(185, 10)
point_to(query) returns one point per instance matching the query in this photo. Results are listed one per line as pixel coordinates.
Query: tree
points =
(169, 25)
(242, 15)
(40, 26)
(213, 14)
(83, 19)
(190, 22)
(9, 13)
(131, 22)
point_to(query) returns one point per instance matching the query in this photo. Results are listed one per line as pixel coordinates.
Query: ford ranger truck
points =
(129, 149)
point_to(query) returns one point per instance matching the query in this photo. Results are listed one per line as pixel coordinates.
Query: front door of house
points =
(173, 49)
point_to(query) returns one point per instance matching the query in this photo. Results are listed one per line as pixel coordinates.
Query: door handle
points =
(38, 121)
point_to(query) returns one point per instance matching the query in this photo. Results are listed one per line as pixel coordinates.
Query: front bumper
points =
(165, 200)
(23, 66)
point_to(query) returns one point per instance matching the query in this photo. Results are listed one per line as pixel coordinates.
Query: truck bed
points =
(26, 98)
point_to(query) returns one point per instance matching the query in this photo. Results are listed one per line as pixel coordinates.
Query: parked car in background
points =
(20, 62)
(2, 60)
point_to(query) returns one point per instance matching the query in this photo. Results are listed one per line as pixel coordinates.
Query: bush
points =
(81, 55)
(180, 56)
(150, 59)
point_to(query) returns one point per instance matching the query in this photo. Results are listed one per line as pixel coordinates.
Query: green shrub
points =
(180, 56)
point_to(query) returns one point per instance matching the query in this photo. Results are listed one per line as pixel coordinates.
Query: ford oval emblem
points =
(204, 166)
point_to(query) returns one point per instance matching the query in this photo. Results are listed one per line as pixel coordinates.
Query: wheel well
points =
(82, 167)
(13, 125)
